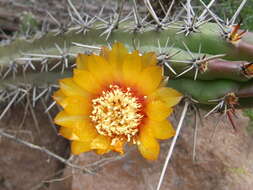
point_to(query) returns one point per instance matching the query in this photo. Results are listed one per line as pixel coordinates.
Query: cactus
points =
(195, 49)
(205, 58)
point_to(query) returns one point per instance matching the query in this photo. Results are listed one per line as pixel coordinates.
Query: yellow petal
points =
(66, 120)
(70, 88)
(68, 133)
(85, 130)
(77, 105)
(86, 80)
(101, 142)
(170, 96)
(99, 68)
(147, 144)
(78, 147)
(105, 52)
(78, 125)
(158, 110)
(116, 57)
(59, 97)
(81, 61)
(161, 129)
(149, 59)
(132, 67)
(82, 135)
(118, 53)
(150, 79)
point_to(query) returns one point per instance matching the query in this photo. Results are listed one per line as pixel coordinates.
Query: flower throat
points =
(116, 113)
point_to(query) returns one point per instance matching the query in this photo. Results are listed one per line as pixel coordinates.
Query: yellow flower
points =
(115, 98)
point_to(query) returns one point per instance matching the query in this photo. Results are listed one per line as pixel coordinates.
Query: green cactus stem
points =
(210, 38)
(36, 79)
(247, 37)
(205, 92)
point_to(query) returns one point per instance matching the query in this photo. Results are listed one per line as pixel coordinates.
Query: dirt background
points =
(224, 160)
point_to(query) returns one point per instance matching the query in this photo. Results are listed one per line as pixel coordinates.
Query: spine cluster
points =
(204, 57)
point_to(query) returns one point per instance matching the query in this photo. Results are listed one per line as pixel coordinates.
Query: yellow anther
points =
(116, 113)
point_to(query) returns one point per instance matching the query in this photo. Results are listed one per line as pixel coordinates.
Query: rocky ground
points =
(223, 160)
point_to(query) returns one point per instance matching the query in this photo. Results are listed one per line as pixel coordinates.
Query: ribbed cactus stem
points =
(198, 53)
(204, 92)
(210, 38)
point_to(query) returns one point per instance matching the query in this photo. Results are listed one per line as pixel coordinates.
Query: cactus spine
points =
(202, 52)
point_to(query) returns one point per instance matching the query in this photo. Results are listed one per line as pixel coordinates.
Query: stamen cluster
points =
(116, 113)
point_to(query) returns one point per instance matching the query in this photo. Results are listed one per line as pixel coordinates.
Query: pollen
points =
(117, 114)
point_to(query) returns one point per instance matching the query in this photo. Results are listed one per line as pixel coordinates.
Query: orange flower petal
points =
(66, 120)
(82, 60)
(59, 97)
(150, 79)
(100, 69)
(78, 147)
(70, 88)
(149, 59)
(86, 80)
(114, 67)
(105, 52)
(86, 135)
(147, 144)
(68, 133)
(74, 128)
(162, 129)
(85, 130)
(158, 110)
(132, 67)
(77, 105)
(101, 142)
(116, 57)
(170, 96)
(118, 53)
